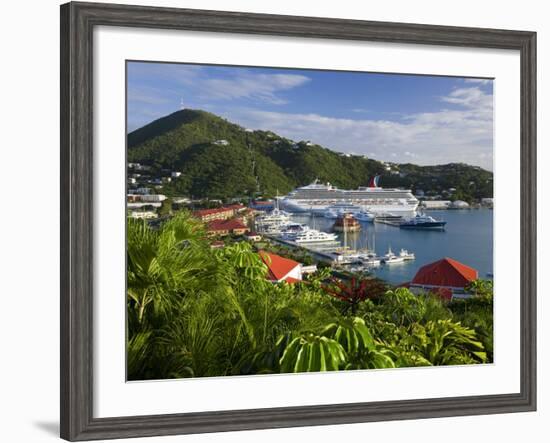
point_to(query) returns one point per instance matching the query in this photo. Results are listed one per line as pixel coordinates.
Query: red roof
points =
(225, 225)
(278, 266)
(203, 212)
(445, 272)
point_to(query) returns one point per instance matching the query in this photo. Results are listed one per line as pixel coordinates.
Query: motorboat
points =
(406, 255)
(364, 216)
(421, 221)
(390, 258)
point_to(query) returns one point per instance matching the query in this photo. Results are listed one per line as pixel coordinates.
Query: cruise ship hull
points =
(319, 208)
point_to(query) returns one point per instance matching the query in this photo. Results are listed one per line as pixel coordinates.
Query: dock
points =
(331, 252)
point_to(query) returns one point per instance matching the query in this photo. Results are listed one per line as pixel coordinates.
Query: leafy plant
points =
(312, 353)
(355, 291)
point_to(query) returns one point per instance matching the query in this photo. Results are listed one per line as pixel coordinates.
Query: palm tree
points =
(166, 263)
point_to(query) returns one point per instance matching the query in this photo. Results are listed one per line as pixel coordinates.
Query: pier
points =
(333, 253)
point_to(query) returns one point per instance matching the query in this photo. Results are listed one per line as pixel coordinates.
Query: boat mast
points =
(345, 232)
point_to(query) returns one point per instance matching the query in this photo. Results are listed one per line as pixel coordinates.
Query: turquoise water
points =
(468, 238)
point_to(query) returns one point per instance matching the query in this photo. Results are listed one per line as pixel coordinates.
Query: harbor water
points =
(468, 238)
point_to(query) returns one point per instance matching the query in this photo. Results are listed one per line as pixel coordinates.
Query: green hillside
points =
(219, 159)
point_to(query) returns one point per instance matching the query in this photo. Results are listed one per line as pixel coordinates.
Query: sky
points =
(399, 118)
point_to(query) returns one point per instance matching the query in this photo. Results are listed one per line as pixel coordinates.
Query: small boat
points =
(406, 255)
(390, 258)
(364, 216)
(331, 213)
(421, 221)
(370, 259)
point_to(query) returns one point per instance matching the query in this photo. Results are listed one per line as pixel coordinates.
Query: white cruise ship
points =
(316, 198)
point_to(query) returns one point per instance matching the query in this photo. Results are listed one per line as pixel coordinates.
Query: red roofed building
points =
(207, 215)
(225, 227)
(445, 277)
(281, 269)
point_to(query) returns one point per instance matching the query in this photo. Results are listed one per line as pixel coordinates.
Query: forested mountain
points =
(219, 159)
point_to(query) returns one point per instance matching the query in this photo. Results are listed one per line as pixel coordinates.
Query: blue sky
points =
(399, 118)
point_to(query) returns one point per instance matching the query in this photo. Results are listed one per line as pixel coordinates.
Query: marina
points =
(468, 237)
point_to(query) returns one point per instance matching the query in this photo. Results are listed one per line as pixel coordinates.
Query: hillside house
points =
(447, 278)
(281, 269)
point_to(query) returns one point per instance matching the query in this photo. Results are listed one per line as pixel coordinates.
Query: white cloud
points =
(448, 135)
(473, 98)
(263, 87)
(483, 81)
(229, 84)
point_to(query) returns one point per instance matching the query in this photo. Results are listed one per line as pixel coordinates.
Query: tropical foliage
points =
(194, 311)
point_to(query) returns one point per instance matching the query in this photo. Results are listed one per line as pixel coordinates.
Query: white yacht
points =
(406, 255)
(331, 213)
(314, 236)
(390, 258)
(370, 259)
(291, 230)
(272, 221)
(364, 216)
(317, 198)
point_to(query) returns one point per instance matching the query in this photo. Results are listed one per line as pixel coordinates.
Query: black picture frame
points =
(77, 23)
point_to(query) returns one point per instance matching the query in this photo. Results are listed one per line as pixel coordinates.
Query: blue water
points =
(468, 238)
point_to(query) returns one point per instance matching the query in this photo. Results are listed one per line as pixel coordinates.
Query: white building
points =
(143, 214)
(136, 198)
(176, 174)
(436, 204)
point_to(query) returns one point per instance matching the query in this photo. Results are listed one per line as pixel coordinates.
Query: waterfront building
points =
(253, 236)
(145, 198)
(226, 227)
(145, 215)
(207, 215)
(436, 204)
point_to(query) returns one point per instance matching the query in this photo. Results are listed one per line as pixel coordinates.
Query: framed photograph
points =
(273, 221)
